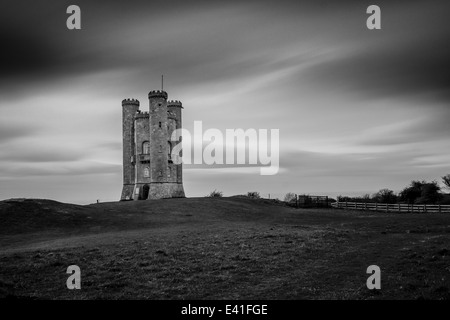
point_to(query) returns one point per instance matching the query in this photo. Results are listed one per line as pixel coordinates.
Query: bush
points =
(363, 199)
(430, 194)
(215, 194)
(385, 196)
(445, 199)
(289, 197)
(253, 195)
(421, 192)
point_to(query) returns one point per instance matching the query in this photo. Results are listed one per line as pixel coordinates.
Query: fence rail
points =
(308, 201)
(385, 207)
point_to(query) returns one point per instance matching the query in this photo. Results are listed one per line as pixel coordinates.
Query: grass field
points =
(218, 248)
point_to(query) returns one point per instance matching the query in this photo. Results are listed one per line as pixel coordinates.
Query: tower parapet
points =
(129, 101)
(140, 115)
(157, 94)
(174, 103)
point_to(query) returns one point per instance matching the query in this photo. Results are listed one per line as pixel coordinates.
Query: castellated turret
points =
(149, 171)
(129, 109)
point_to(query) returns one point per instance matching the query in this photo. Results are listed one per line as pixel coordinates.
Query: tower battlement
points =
(140, 115)
(129, 101)
(174, 103)
(157, 94)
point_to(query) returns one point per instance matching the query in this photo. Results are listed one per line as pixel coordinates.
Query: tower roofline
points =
(130, 102)
(140, 115)
(157, 94)
(174, 103)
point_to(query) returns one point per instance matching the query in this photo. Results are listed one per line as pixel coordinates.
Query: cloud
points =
(430, 128)
(375, 73)
(14, 170)
(30, 154)
(10, 131)
(408, 57)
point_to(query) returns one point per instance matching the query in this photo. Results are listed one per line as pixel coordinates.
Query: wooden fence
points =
(307, 201)
(384, 207)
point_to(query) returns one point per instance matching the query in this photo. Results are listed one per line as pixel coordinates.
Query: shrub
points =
(363, 199)
(421, 192)
(445, 199)
(253, 195)
(215, 194)
(385, 196)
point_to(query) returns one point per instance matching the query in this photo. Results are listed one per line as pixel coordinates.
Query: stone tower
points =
(148, 169)
(129, 110)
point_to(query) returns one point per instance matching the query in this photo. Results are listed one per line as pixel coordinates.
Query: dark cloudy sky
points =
(358, 110)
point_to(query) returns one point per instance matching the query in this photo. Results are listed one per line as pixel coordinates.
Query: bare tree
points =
(446, 180)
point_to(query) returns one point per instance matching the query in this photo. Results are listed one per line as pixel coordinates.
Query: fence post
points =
(439, 208)
(296, 201)
(399, 208)
(365, 206)
(425, 208)
(346, 205)
(387, 207)
(376, 206)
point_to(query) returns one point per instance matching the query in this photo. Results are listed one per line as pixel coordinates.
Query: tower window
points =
(169, 147)
(160, 124)
(146, 172)
(146, 147)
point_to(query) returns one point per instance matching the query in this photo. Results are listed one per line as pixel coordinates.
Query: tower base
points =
(166, 190)
(127, 192)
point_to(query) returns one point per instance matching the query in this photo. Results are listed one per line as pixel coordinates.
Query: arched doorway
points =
(145, 190)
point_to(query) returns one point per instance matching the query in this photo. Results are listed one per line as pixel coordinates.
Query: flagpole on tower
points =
(162, 82)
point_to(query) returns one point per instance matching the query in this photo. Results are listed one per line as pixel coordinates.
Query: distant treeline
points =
(417, 192)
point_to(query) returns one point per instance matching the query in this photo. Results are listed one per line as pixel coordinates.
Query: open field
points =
(219, 248)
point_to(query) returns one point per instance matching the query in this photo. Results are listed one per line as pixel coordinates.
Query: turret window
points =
(146, 172)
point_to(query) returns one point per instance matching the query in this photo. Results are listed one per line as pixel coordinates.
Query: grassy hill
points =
(218, 248)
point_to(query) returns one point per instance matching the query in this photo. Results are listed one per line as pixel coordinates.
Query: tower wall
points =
(172, 167)
(142, 168)
(158, 136)
(129, 109)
